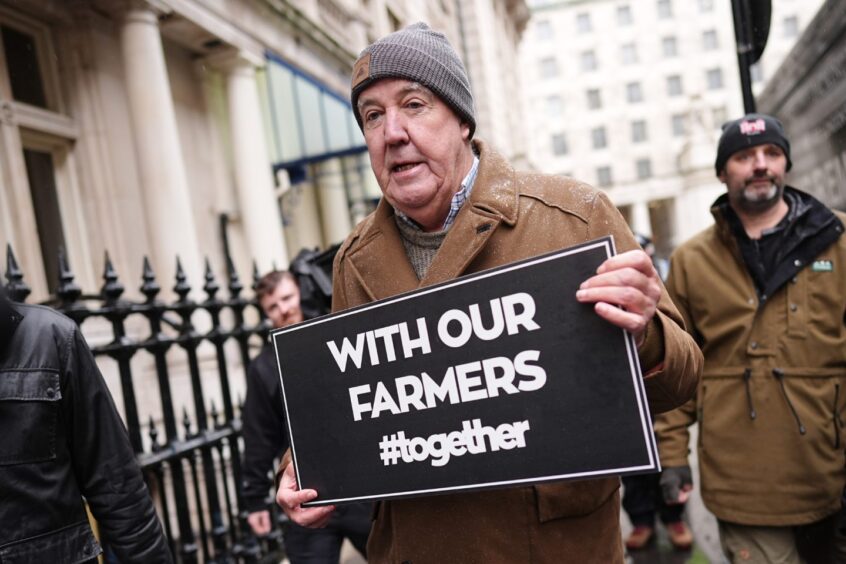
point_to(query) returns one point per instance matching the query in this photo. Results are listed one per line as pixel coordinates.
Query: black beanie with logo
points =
(749, 131)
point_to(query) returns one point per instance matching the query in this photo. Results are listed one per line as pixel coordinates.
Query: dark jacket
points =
(264, 433)
(510, 216)
(61, 438)
(771, 400)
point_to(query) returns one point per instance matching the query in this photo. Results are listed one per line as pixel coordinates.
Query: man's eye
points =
(371, 116)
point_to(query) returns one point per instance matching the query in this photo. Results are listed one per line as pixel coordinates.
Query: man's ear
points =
(722, 176)
(465, 130)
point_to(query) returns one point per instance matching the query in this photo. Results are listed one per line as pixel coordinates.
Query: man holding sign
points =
(452, 206)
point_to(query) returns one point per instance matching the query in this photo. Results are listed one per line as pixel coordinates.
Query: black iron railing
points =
(191, 460)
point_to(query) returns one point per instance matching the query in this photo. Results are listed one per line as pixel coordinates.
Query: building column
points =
(260, 217)
(164, 184)
(641, 223)
(302, 223)
(334, 205)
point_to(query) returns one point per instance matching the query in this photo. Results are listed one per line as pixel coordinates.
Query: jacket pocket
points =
(573, 499)
(72, 544)
(29, 411)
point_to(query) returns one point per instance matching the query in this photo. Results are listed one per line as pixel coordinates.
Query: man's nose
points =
(395, 128)
(760, 160)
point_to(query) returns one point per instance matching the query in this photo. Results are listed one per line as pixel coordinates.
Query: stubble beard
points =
(753, 201)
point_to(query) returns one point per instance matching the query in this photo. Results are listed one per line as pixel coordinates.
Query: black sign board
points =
(495, 379)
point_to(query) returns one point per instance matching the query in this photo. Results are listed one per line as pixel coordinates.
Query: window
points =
(587, 60)
(669, 46)
(756, 72)
(665, 9)
(25, 73)
(583, 23)
(706, 5)
(628, 53)
(597, 135)
(633, 92)
(603, 176)
(719, 115)
(709, 40)
(559, 144)
(678, 125)
(624, 15)
(674, 85)
(40, 171)
(639, 131)
(594, 99)
(644, 169)
(554, 106)
(543, 30)
(548, 67)
(790, 26)
(714, 79)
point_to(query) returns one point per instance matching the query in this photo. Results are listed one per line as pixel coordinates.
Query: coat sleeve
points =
(263, 431)
(671, 428)
(105, 466)
(670, 359)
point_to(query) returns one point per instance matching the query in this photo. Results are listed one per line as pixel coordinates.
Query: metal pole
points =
(743, 35)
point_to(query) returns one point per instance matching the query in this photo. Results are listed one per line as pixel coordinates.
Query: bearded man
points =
(763, 292)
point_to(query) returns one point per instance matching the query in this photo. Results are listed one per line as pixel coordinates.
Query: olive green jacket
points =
(770, 400)
(509, 216)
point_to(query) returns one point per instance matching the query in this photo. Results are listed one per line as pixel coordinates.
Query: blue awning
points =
(309, 123)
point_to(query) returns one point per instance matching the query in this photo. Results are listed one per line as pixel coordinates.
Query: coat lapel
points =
(493, 202)
(380, 263)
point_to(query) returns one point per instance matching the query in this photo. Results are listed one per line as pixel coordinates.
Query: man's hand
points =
(628, 280)
(259, 522)
(289, 497)
(676, 484)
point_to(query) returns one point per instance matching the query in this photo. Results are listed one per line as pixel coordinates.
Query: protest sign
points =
(495, 379)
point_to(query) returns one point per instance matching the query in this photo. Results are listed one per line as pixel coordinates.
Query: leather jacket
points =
(61, 439)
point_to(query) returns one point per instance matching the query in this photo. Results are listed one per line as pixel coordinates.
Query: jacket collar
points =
(379, 260)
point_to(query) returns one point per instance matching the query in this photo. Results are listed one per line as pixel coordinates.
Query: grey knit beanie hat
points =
(420, 54)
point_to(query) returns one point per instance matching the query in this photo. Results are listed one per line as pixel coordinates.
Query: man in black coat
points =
(265, 439)
(61, 439)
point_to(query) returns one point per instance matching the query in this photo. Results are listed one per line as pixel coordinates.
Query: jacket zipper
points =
(835, 416)
(779, 375)
(747, 375)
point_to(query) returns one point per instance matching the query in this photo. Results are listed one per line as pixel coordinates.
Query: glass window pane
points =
(311, 116)
(594, 99)
(285, 115)
(603, 176)
(24, 70)
(336, 117)
(48, 216)
(559, 144)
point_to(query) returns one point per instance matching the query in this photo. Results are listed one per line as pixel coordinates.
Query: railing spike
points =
(150, 288)
(211, 286)
(154, 434)
(235, 285)
(112, 288)
(16, 288)
(68, 290)
(256, 275)
(182, 288)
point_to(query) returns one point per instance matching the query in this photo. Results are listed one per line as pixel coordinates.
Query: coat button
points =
(797, 262)
(753, 345)
(751, 301)
(793, 307)
(50, 393)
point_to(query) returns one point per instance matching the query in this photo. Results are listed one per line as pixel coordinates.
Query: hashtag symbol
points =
(389, 448)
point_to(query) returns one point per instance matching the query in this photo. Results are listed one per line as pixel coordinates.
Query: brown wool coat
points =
(509, 216)
(762, 470)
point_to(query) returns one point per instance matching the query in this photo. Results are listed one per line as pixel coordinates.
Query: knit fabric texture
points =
(749, 131)
(420, 247)
(420, 54)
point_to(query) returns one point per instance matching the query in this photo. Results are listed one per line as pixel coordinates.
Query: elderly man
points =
(453, 206)
(764, 293)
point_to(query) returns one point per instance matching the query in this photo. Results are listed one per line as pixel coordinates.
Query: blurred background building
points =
(206, 128)
(629, 95)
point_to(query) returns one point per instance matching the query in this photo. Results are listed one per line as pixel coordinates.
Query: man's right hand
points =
(259, 522)
(676, 484)
(290, 497)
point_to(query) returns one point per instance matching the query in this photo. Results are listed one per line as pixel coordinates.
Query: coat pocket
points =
(72, 544)
(573, 499)
(29, 411)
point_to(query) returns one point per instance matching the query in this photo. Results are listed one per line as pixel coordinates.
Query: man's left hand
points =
(628, 280)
